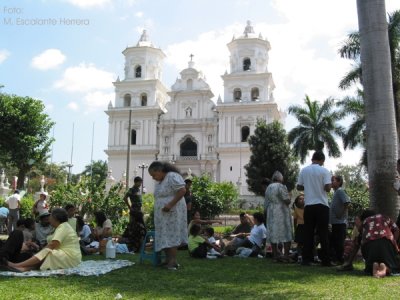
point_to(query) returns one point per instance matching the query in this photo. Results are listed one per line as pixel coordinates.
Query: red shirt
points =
(378, 227)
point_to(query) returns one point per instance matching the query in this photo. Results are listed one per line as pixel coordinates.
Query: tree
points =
(24, 129)
(351, 50)
(210, 198)
(355, 135)
(97, 171)
(317, 128)
(378, 97)
(270, 152)
(355, 185)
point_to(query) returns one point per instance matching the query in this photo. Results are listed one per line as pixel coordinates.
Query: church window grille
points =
(246, 64)
(188, 148)
(210, 137)
(127, 100)
(133, 137)
(237, 94)
(255, 94)
(245, 132)
(143, 99)
(138, 72)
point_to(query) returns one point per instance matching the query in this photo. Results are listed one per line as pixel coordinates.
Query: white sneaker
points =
(211, 257)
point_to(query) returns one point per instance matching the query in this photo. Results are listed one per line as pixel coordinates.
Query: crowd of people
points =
(58, 238)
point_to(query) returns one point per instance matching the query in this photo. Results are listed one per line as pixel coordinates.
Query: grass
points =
(227, 278)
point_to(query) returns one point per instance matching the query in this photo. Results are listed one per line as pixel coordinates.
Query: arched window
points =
(188, 148)
(246, 64)
(255, 94)
(127, 100)
(189, 83)
(133, 137)
(138, 72)
(237, 95)
(143, 99)
(245, 132)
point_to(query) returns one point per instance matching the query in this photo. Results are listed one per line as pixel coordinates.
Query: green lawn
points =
(227, 278)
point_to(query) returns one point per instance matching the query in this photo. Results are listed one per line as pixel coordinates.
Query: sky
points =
(67, 53)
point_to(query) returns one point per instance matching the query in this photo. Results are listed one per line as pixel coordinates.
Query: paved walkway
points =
(229, 220)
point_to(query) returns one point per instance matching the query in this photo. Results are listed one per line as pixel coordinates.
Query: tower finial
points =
(248, 29)
(144, 37)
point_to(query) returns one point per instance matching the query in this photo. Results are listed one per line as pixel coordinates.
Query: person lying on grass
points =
(197, 245)
(61, 252)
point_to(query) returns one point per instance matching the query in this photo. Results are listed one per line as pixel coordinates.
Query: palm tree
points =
(355, 135)
(379, 108)
(351, 50)
(96, 171)
(317, 127)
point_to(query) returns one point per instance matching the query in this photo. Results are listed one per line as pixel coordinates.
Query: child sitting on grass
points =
(197, 245)
(209, 232)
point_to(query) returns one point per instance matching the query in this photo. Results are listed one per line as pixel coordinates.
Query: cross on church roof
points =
(191, 57)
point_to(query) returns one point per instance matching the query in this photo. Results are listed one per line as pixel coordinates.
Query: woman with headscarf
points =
(279, 218)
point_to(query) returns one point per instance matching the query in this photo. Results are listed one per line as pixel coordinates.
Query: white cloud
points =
(139, 14)
(48, 59)
(89, 3)
(85, 78)
(98, 100)
(73, 106)
(4, 54)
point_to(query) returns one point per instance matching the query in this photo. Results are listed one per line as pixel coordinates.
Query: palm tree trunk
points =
(380, 115)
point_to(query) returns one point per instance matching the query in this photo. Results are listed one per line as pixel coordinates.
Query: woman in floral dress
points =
(279, 217)
(170, 213)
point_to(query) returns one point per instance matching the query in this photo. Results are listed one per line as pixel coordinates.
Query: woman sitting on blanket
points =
(62, 250)
(103, 227)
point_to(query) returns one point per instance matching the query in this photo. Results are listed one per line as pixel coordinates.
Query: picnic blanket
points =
(85, 268)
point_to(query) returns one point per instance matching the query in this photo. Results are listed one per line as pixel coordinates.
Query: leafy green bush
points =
(88, 199)
(26, 206)
(359, 200)
(148, 210)
(121, 224)
(211, 198)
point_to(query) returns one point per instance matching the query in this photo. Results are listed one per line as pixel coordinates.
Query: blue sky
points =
(71, 67)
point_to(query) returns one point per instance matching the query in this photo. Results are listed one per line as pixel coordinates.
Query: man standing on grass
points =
(14, 203)
(315, 181)
(134, 196)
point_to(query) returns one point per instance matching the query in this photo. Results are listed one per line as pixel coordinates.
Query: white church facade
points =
(183, 125)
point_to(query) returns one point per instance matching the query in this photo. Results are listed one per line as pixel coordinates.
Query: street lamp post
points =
(69, 166)
(143, 166)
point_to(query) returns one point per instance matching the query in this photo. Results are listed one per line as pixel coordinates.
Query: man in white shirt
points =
(14, 203)
(315, 181)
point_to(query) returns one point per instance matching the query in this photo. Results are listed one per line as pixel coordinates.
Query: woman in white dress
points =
(279, 217)
(170, 214)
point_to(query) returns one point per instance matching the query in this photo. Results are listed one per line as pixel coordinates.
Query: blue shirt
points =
(4, 212)
(338, 201)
